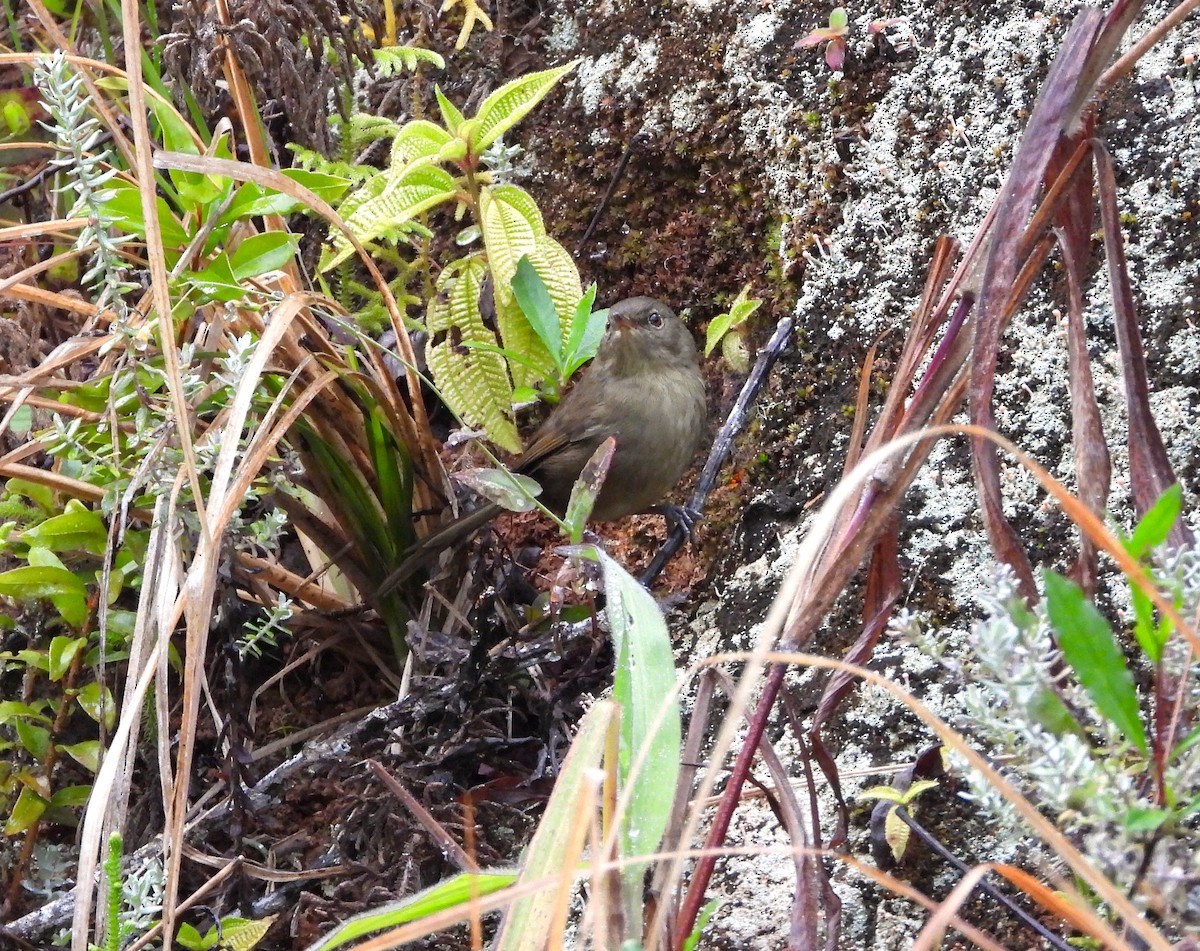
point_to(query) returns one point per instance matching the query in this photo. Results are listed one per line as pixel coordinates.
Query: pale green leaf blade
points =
(527, 921)
(510, 490)
(451, 893)
(260, 253)
(418, 189)
(450, 114)
(644, 685)
(417, 140)
(509, 104)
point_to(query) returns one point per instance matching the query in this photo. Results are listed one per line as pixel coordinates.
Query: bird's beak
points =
(619, 323)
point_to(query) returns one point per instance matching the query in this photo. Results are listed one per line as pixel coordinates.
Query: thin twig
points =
(723, 444)
(635, 143)
(1026, 918)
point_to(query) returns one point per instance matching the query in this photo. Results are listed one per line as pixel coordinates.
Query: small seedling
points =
(833, 36)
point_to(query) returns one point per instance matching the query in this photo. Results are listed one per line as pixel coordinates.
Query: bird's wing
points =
(545, 444)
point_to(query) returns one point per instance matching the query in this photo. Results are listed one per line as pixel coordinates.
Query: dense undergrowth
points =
(268, 339)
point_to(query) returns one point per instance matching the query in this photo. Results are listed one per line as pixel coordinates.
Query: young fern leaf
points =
(473, 381)
(509, 104)
(416, 140)
(512, 228)
(381, 210)
(389, 60)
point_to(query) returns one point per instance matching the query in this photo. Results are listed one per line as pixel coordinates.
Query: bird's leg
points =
(679, 516)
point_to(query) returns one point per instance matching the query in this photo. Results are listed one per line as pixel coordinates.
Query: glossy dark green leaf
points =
(538, 307)
(217, 281)
(30, 582)
(97, 702)
(78, 528)
(35, 739)
(261, 253)
(71, 797)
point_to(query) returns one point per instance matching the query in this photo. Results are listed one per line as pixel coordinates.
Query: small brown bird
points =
(644, 388)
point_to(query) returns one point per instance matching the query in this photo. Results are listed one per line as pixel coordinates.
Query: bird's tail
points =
(428, 548)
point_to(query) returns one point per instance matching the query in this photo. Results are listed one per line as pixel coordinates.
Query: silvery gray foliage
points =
(77, 134)
(1094, 785)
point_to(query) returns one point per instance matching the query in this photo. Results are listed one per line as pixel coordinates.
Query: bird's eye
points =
(655, 319)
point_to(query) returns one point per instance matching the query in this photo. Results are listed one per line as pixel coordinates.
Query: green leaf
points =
(386, 206)
(86, 754)
(1182, 746)
(253, 200)
(417, 140)
(1141, 821)
(510, 490)
(1151, 637)
(389, 59)
(1048, 710)
(62, 653)
(35, 739)
(197, 188)
(644, 684)
(97, 702)
(217, 281)
(71, 605)
(705, 915)
(325, 186)
(238, 934)
(513, 228)
(71, 797)
(896, 833)
(587, 488)
(188, 937)
(261, 253)
(1091, 649)
(121, 206)
(509, 104)
(1154, 527)
(452, 893)
(11, 710)
(26, 811)
(587, 329)
(739, 312)
(31, 582)
(40, 495)
(886, 793)
(451, 117)
(537, 307)
(78, 528)
(473, 381)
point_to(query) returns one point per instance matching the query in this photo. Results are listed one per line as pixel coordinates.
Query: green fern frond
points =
(473, 382)
(389, 60)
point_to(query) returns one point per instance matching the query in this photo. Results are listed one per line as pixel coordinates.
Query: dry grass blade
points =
(1051, 116)
(1150, 472)
(1054, 902)
(111, 785)
(1041, 826)
(416, 431)
(1073, 218)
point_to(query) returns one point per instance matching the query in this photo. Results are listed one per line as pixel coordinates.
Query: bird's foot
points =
(680, 515)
